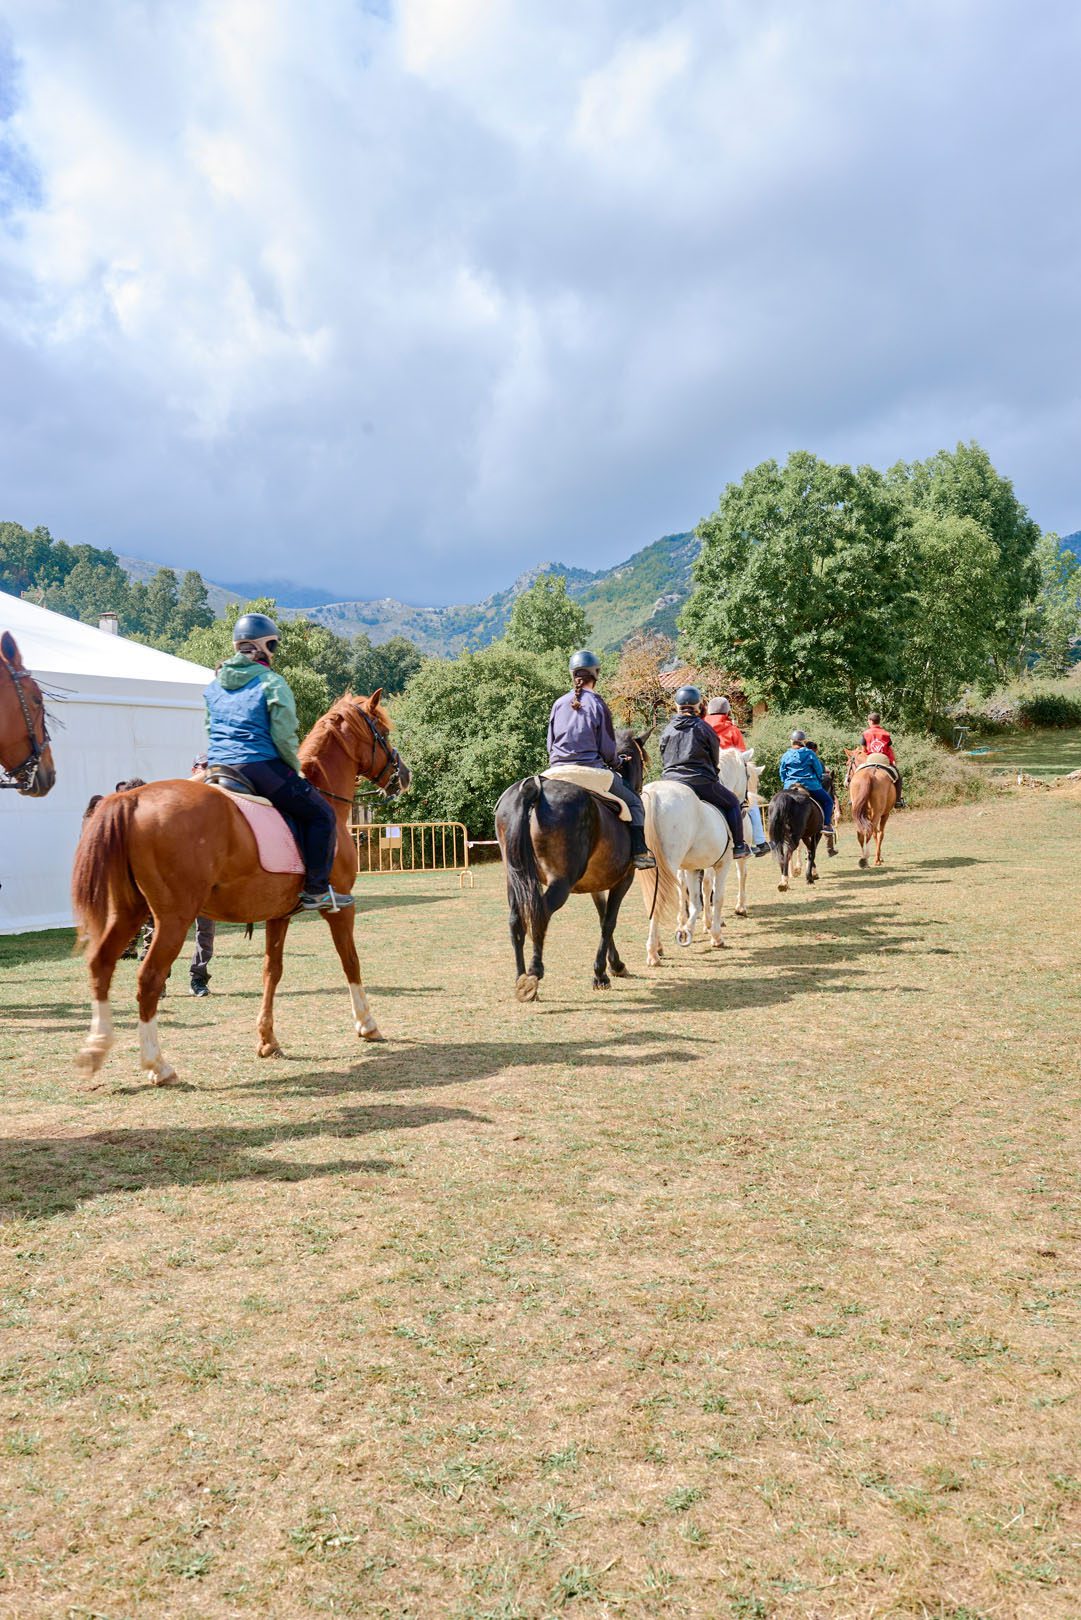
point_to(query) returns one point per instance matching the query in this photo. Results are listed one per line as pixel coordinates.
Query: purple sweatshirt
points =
(582, 736)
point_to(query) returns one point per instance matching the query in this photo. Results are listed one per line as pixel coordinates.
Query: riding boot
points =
(899, 802)
(640, 855)
(831, 840)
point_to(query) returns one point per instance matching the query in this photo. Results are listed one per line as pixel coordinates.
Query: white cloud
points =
(406, 302)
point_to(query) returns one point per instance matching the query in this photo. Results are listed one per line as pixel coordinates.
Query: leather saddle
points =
(232, 779)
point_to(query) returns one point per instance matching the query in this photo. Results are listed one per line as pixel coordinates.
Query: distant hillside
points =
(1072, 542)
(648, 589)
(218, 596)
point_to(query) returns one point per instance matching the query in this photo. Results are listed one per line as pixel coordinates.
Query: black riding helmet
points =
(584, 659)
(258, 628)
(688, 697)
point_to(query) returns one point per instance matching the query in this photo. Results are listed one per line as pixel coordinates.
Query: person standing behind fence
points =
(204, 926)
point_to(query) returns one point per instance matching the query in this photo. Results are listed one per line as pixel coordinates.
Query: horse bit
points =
(24, 777)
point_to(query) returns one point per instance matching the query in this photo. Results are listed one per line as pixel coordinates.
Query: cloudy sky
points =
(401, 297)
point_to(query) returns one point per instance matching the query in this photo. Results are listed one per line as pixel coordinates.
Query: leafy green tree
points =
(963, 483)
(470, 727)
(162, 596)
(801, 585)
(545, 619)
(390, 665)
(951, 631)
(314, 661)
(1053, 616)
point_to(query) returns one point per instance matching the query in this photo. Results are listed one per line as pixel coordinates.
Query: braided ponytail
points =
(579, 681)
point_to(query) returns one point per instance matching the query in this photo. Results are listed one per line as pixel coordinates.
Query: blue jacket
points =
(582, 736)
(801, 765)
(250, 715)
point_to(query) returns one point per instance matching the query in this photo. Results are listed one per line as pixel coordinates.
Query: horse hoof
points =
(622, 971)
(717, 944)
(270, 1049)
(166, 1076)
(741, 911)
(863, 860)
(89, 1062)
(601, 981)
(683, 936)
(372, 1034)
(783, 887)
(526, 987)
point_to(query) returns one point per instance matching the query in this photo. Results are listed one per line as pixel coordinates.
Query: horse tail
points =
(102, 882)
(660, 888)
(860, 794)
(523, 878)
(777, 817)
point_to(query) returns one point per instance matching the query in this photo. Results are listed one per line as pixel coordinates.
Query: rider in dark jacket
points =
(690, 754)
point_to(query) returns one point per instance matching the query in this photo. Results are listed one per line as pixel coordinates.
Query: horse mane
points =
(340, 721)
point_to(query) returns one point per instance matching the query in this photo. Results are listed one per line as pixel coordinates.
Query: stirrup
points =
(644, 861)
(326, 900)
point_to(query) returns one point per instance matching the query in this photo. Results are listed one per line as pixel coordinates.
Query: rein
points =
(392, 763)
(24, 777)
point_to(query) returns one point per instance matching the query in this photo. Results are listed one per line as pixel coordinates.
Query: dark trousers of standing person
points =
(315, 823)
(711, 791)
(204, 950)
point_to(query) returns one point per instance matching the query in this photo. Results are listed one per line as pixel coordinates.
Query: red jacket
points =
(877, 740)
(728, 733)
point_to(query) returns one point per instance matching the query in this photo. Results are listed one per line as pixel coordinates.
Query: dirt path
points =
(742, 1290)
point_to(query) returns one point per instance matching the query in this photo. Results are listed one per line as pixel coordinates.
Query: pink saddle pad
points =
(277, 847)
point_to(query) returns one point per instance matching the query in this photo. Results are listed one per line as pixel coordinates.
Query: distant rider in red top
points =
(877, 740)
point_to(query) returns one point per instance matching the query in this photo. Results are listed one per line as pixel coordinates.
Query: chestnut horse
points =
(181, 849)
(872, 793)
(25, 753)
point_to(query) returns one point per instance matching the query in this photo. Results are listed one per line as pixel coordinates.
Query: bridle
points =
(388, 783)
(24, 777)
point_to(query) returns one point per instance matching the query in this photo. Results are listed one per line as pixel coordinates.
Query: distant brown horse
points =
(25, 753)
(872, 793)
(181, 849)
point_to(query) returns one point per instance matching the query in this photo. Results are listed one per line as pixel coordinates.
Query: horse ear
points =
(376, 697)
(748, 754)
(9, 649)
(646, 735)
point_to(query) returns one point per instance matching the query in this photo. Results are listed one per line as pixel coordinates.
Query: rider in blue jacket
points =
(801, 767)
(252, 720)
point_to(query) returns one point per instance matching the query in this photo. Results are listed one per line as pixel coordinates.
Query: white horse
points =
(690, 839)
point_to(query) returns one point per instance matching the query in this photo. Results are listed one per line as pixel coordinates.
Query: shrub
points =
(469, 728)
(1026, 705)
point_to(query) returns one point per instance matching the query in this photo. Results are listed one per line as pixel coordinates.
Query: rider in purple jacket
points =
(580, 732)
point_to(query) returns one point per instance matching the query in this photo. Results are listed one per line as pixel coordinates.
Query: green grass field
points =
(742, 1290)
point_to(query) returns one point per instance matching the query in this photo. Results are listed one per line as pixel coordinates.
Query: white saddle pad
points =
(593, 780)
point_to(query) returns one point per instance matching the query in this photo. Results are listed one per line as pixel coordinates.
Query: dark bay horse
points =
(181, 849)
(26, 755)
(558, 840)
(794, 819)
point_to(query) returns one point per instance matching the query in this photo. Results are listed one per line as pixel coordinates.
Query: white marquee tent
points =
(120, 710)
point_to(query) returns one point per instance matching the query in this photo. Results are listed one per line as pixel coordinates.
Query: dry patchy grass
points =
(742, 1290)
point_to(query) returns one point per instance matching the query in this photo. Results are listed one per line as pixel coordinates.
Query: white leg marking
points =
(99, 1040)
(150, 1052)
(363, 1021)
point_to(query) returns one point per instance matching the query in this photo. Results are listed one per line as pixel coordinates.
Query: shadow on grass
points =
(415, 1066)
(46, 1176)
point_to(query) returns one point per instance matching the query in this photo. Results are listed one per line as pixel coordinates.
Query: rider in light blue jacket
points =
(801, 767)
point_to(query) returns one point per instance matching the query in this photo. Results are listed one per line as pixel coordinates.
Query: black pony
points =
(794, 819)
(557, 840)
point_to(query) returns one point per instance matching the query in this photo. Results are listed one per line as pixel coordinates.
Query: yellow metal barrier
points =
(412, 846)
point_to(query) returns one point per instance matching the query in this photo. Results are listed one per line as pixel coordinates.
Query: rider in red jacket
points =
(877, 740)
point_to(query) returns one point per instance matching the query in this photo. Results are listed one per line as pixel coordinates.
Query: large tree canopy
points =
(963, 483)
(801, 586)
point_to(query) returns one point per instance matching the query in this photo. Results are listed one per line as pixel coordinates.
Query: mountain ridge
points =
(647, 589)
